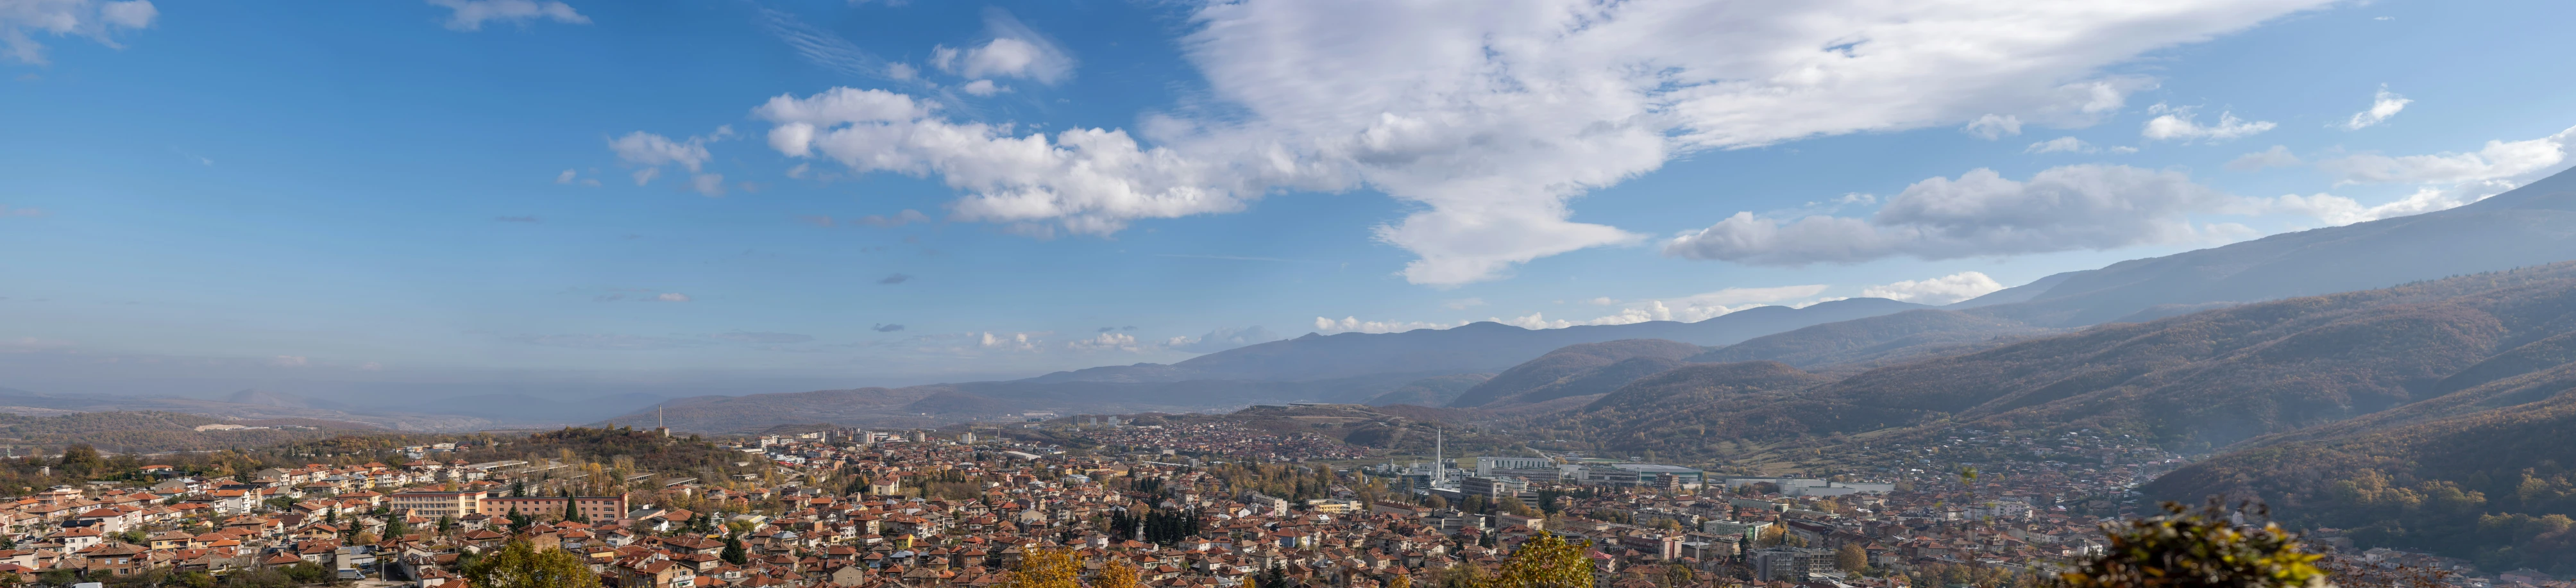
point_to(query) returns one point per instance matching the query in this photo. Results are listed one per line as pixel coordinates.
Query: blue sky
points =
(443, 196)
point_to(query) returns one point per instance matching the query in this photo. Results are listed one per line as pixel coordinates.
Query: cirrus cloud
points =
(99, 21)
(469, 15)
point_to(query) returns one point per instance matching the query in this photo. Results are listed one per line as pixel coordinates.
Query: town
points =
(1194, 506)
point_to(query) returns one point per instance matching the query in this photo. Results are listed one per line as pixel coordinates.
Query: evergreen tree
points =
(733, 553)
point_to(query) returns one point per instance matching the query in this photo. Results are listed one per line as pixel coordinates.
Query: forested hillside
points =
(2196, 382)
(1432, 391)
(1577, 370)
(1879, 340)
(2493, 486)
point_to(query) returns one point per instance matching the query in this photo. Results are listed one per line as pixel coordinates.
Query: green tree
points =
(81, 460)
(1546, 561)
(520, 565)
(733, 553)
(2198, 548)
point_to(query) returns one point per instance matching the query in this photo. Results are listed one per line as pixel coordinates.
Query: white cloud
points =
(1355, 325)
(708, 185)
(1463, 303)
(289, 361)
(2060, 145)
(371, 366)
(2382, 106)
(1222, 339)
(1107, 342)
(654, 151)
(983, 88)
(99, 21)
(1007, 341)
(2498, 160)
(1016, 51)
(1692, 308)
(671, 297)
(2444, 180)
(471, 14)
(2338, 210)
(2277, 156)
(565, 177)
(1991, 127)
(1688, 309)
(6, 211)
(1090, 180)
(1941, 290)
(1490, 119)
(2181, 124)
(1981, 213)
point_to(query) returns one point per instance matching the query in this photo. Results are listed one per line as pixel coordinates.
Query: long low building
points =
(433, 504)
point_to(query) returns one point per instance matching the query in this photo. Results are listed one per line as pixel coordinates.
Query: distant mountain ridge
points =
(1345, 367)
(2531, 225)
(1476, 347)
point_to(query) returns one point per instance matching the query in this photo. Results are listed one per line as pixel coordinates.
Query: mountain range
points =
(2532, 225)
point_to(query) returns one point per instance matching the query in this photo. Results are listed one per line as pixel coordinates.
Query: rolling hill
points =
(1432, 391)
(1577, 370)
